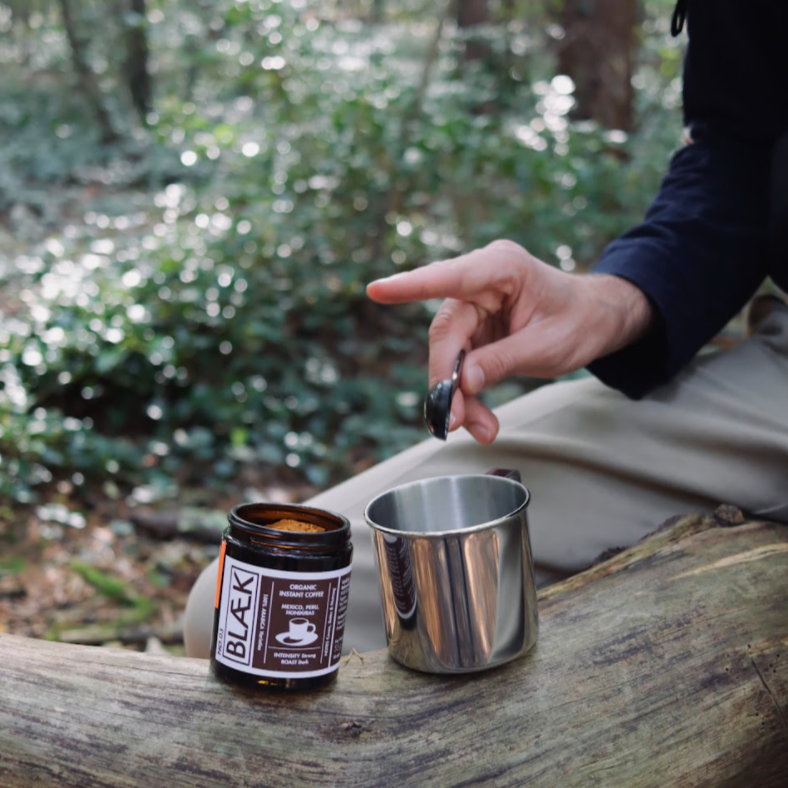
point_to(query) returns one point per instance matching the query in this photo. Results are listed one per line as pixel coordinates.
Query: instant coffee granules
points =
(281, 597)
(294, 525)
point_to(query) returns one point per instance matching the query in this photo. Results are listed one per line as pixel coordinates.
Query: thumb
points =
(490, 364)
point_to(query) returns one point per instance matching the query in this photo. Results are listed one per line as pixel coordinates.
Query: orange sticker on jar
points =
(221, 571)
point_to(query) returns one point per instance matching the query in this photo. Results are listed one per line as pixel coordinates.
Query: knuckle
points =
(441, 325)
(499, 365)
(516, 267)
(508, 247)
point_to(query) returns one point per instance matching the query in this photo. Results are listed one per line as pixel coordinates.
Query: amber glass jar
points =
(281, 597)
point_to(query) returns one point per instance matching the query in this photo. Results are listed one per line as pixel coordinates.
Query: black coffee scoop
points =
(437, 406)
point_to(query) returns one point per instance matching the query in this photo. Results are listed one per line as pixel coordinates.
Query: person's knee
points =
(198, 618)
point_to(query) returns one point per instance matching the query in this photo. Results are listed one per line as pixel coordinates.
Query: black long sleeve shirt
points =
(710, 237)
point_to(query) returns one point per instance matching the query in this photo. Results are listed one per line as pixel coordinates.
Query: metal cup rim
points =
(486, 526)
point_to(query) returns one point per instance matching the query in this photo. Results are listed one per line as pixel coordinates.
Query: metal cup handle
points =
(507, 473)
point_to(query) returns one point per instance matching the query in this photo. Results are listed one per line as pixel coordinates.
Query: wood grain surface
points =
(667, 665)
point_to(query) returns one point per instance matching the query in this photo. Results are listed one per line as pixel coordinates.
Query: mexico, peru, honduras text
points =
(281, 624)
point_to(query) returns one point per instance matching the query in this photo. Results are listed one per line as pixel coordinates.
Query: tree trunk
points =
(137, 73)
(377, 12)
(87, 77)
(667, 665)
(392, 199)
(597, 52)
(21, 11)
(470, 14)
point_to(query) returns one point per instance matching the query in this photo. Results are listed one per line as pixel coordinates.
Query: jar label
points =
(281, 624)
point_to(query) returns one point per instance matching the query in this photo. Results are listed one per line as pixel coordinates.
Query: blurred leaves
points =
(198, 306)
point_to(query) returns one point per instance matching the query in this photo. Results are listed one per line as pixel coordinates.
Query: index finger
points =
(461, 277)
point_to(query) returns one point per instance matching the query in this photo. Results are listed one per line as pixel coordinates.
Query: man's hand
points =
(515, 315)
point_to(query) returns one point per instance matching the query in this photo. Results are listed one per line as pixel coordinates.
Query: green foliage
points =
(134, 608)
(222, 323)
(117, 590)
(12, 566)
(109, 586)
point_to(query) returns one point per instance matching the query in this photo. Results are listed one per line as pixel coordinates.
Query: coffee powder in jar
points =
(281, 597)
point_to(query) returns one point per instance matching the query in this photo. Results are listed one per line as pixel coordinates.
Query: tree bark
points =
(597, 52)
(21, 11)
(85, 73)
(666, 665)
(470, 14)
(137, 71)
(377, 12)
(393, 198)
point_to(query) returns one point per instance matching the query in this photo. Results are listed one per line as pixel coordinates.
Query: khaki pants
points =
(603, 471)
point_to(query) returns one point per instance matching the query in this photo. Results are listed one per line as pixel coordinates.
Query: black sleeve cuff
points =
(699, 256)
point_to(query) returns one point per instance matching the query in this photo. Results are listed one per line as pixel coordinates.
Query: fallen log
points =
(666, 665)
(133, 635)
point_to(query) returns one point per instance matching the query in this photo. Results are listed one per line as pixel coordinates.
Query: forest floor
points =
(120, 575)
(96, 566)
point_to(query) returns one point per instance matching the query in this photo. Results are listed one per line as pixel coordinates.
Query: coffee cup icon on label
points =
(301, 632)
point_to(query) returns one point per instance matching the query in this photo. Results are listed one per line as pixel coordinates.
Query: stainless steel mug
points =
(456, 571)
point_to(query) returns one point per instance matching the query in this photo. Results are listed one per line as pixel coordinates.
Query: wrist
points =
(627, 311)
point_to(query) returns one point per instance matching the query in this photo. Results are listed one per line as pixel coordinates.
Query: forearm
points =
(698, 257)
